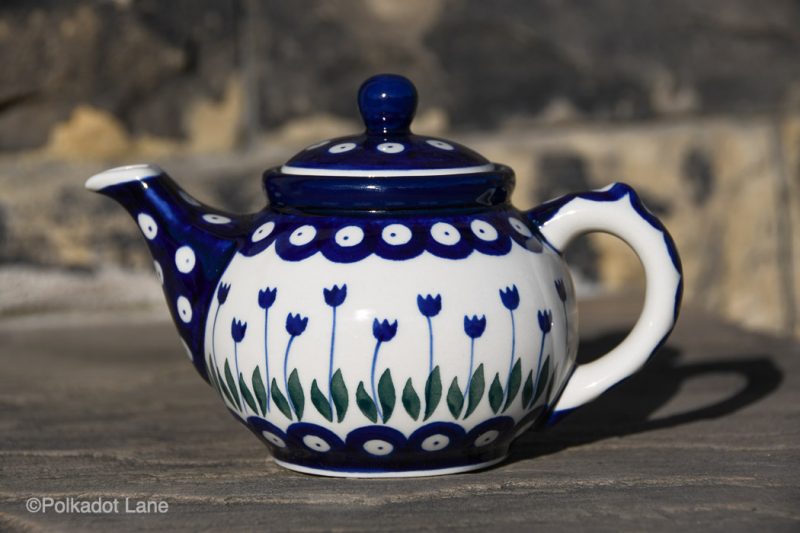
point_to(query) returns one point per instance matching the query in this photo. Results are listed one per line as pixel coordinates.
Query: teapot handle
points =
(617, 210)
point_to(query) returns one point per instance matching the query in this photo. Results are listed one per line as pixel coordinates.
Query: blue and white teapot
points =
(390, 313)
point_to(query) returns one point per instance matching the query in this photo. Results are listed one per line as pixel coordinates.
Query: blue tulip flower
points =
(545, 317)
(238, 329)
(335, 295)
(384, 331)
(222, 292)
(561, 289)
(429, 305)
(474, 327)
(266, 297)
(510, 297)
(296, 324)
(545, 320)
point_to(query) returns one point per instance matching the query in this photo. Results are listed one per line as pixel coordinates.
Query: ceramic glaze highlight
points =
(390, 314)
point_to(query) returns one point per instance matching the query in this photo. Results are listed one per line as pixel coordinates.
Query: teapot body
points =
(391, 345)
(390, 313)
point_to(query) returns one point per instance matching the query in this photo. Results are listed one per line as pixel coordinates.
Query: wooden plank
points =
(705, 437)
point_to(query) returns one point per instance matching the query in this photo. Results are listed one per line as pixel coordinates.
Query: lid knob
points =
(387, 103)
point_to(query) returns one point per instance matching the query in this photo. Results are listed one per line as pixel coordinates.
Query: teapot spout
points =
(191, 243)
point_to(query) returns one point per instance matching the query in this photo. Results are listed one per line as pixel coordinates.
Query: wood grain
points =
(706, 437)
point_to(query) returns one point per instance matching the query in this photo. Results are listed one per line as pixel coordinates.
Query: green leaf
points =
(320, 401)
(495, 394)
(527, 390)
(258, 388)
(232, 385)
(455, 398)
(212, 372)
(280, 400)
(411, 400)
(433, 392)
(223, 390)
(247, 395)
(386, 394)
(365, 403)
(544, 376)
(513, 384)
(476, 386)
(339, 395)
(210, 369)
(296, 394)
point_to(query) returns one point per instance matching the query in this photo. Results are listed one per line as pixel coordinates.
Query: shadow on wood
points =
(627, 408)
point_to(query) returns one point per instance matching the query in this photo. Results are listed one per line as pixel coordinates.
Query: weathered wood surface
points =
(706, 437)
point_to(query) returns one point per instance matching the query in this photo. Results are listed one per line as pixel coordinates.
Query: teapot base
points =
(388, 473)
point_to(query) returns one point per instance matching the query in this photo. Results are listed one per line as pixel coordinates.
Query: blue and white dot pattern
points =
(483, 230)
(184, 308)
(349, 236)
(159, 271)
(396, 153)
(212, 218)
(303, 235)
(391, 148)
(341, 148)
(434, 443)
(445, 233)
(441, 145)
(378, 447)
(521, 228)
(396, 234)
(447, 442)
(484, 439)
(185, 259)
(263, 231)
(347, 240)
(316, 443)
(148, 226)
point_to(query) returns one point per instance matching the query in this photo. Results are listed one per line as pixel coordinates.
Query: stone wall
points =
(697, 105)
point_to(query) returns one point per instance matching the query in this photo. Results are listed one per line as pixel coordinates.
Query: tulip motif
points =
(238, 329)
(383, 331)
(266, 297)
(334, 297)
(295, 326)
(510, 298)
(545, 317)
(429, 306)
(474, 328)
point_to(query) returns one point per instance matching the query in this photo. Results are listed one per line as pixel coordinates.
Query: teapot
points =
(389, 312)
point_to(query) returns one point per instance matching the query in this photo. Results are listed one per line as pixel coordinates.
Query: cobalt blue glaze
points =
(387, 103)
(244, 290)
(180, 224)
(447, 444)
(326, 228)
(339, 194)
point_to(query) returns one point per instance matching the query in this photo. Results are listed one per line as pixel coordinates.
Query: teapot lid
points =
(387, 103)
(367, 166)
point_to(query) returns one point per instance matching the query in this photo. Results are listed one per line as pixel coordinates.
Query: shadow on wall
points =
(627, 408)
